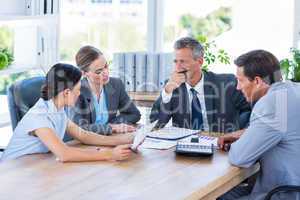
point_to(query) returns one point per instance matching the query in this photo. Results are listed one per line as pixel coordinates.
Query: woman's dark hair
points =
(85, 56)
(60, 77)
(260, 63)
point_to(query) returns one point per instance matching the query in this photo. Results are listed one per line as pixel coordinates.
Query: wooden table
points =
(151, 174)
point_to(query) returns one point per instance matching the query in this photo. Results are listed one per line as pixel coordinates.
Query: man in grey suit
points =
(273, 135)
(103, 106)
(196, 99)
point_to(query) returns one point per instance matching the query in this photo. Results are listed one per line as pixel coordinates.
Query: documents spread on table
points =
(167, 137)
(172, 133)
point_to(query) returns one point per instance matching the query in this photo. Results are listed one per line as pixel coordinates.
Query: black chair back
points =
(22, 95)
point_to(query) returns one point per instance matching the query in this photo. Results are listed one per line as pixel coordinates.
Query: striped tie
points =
(197, 120)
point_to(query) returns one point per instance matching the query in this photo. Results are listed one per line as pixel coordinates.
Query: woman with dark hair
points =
(43, 127)
(103, 106)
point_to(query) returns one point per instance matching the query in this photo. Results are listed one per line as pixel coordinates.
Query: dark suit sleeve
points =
(242, 106)
(128, 111)
(79, 116)
(161, 111)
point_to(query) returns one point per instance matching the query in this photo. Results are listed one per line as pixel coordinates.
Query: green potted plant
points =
(212, 53)
(6, 58)
(290, 67)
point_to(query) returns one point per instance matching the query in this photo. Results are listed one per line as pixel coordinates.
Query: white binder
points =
(152, 73)
(118, 67)
(140, 71)
(166, 63)
(130, 72)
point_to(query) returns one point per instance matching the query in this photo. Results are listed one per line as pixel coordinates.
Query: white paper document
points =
(172, 133)
(138, 139)
(140, 135)
(151, 143)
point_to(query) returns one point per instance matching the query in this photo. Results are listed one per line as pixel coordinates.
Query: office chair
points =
(22, 95)
(283, 188)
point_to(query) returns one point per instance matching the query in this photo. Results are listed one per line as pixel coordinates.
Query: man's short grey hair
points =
(191, 43)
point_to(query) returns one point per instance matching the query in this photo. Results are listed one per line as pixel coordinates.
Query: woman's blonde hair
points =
(85, 56)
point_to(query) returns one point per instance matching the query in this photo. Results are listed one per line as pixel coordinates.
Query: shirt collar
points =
(90, 85)
(198, 87)
(52, 108)
(101, 98)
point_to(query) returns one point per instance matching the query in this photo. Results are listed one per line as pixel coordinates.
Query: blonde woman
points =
(104, 106)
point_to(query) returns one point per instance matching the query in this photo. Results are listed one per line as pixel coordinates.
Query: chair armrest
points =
(283, 188)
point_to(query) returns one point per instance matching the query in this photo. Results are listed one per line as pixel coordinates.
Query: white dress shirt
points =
(199, 87)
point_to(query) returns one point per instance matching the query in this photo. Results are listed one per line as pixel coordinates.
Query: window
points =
(236, 25)
(111, 27)
(12, 38)
(6, 37)
(191, 17)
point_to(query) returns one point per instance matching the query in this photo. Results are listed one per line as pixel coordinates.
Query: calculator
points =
(193, 149)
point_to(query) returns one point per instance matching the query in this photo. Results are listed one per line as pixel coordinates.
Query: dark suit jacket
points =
(227, 109)
(121, 109)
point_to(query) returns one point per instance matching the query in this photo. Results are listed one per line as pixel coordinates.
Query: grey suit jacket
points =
(226, 107)
(121, 109)
(273, 140)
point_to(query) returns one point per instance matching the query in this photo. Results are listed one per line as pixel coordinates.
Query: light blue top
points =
(43, 114)
(272, 139)
(101, 108)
